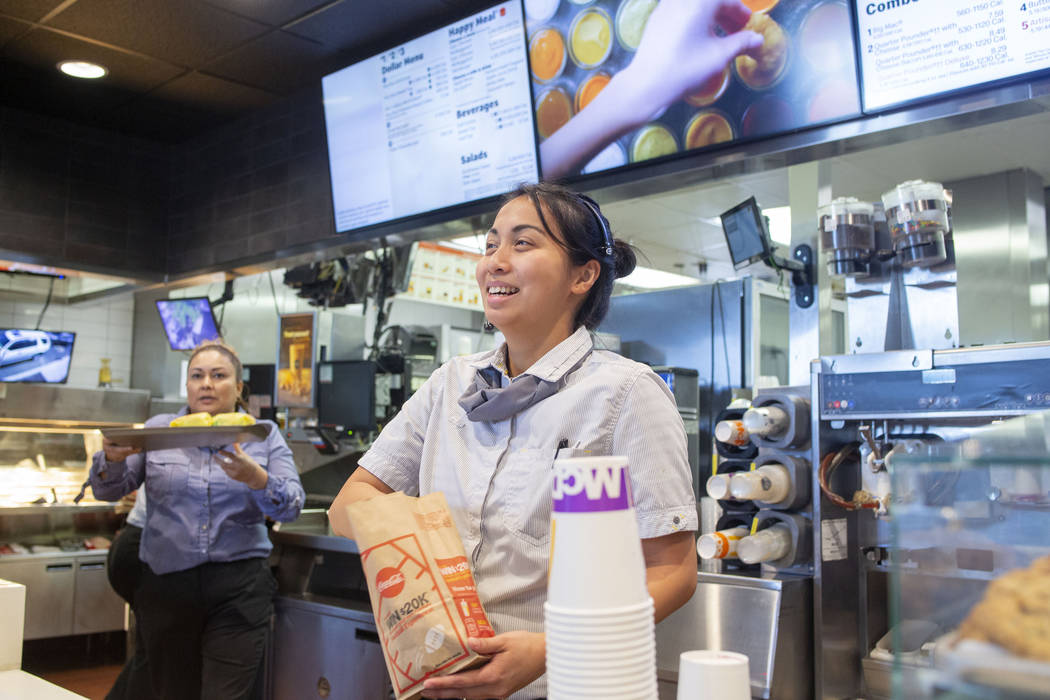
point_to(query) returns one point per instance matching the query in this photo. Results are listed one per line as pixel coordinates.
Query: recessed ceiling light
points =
(82, 69)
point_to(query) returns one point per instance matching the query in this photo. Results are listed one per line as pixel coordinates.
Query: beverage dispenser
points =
(898, 260)
(755, 586)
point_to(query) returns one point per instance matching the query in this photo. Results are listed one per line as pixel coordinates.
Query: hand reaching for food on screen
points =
(686, 44)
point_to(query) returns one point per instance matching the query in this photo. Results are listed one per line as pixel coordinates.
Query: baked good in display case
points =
(1015, 613)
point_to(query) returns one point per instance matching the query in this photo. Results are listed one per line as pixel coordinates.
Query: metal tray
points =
(172, 438)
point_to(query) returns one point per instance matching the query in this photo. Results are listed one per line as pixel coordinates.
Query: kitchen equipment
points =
(874, 416)
(847, 236)
(917, 213)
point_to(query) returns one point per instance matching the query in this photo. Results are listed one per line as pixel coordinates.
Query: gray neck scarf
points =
(486, 400)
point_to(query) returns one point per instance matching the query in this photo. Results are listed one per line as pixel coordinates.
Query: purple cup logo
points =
(591, 484)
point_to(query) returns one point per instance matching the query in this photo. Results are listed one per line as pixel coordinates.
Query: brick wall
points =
(81, 197)
(255, 186)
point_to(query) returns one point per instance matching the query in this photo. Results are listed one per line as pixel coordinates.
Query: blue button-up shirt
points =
(195, 513)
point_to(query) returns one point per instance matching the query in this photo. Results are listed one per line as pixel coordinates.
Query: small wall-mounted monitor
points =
(187, 322)
(746, 234)
(346, 395)
(35, 356)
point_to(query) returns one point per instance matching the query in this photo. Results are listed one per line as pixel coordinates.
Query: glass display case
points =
(53, 546)
(970, 566)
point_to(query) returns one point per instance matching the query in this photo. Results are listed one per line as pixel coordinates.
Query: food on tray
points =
(590, 88)
(554, 112)
(710, 91)
(820, 40)
(97, 542)
(233, 419)
(706, 129)
(1015, 612)
(652, 141)
(547, 54)
(760, 5)
(631, 19)
(767, 115)
(206, 420)
(761, 67)
(591, 38)
(192, 420)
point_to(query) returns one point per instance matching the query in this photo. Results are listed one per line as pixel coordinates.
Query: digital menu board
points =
(664, 77)
(912, 49)
(440, 120)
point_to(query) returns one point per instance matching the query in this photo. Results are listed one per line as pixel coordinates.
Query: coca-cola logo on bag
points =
(390, 582)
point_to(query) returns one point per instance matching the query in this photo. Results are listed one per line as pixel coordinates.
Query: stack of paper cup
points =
(598, 615)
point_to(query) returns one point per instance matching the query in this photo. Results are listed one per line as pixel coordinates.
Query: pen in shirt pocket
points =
(562, 444)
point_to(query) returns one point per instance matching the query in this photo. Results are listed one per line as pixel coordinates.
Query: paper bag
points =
(421, 586)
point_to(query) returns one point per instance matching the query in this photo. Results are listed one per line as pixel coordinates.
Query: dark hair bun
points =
(624, 258)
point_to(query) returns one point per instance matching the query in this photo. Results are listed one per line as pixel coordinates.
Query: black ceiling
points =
(180, 67)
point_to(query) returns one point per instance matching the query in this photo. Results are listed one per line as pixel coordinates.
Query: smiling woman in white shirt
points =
(485, 430)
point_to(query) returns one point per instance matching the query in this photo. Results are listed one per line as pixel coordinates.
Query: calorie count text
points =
(408, 107)
(979, 42)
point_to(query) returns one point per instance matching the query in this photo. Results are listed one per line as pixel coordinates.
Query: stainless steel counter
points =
(312, 530)
(66, 593)
(325, 642)
(765, 617)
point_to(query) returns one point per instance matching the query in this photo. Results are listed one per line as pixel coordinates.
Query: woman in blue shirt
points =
(205, 598)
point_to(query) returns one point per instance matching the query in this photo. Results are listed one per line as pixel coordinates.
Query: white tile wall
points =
(103, 329)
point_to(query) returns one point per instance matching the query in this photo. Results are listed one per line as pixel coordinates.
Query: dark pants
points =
(124, 570)
(206, 629)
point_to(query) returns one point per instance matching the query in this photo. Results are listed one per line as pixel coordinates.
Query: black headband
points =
(602, 224)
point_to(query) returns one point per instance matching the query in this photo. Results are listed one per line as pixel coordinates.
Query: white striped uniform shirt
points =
(497, 476)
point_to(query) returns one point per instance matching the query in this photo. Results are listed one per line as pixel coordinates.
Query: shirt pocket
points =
(167, 472)
(527, 512)
(236, 497)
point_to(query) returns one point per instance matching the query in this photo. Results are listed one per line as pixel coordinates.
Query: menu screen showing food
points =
(916, 48)
(680, 96)
(441, 120)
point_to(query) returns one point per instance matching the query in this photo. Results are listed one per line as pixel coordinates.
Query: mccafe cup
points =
(596, 554)
(598, 618)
